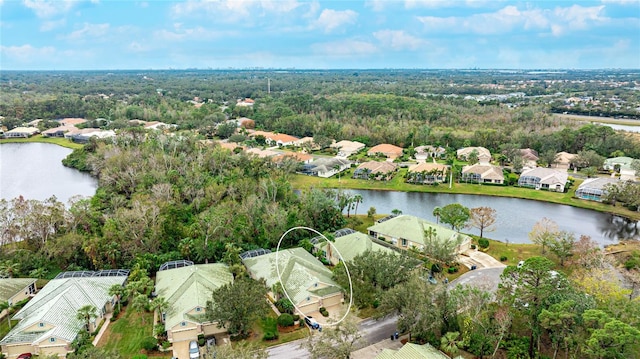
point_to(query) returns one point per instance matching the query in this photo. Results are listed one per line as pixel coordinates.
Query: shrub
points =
(503, 258)
(166, 344)
(149, 343)
(270, 335)
(483, 243)
(296, 317)
(376, 303)
(473, 246)
(285, 320)
(451, 270)
(435, 268)
(324, 312)
(139, 356)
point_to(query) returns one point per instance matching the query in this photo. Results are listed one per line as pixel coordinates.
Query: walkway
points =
(103, 328)
(479, 259)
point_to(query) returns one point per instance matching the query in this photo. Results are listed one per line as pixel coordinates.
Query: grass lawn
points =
(39, 138)
(125, 335)
(513, 252)
(398, 184)
(4, 325)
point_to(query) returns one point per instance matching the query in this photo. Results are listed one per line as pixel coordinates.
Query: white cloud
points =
(556, 21)
(49, 8)
(344, 48)
(27, 53)
(399, 40)
(89, 32)
(180, 33)
(412, 4)
(330, 20)
(233, 10)
(621, 2)
(53, 24)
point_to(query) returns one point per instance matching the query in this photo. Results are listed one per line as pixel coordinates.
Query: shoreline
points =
(63, 142)
(305, 182)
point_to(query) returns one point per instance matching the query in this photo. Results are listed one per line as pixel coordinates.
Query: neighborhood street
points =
(374, 330)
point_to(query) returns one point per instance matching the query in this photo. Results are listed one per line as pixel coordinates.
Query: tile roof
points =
(376, 167)
(354, 244)
(597, 183)
(189, 287)
(466, 151)
(57, 304)
(413, 351)
(11, 286)
(485, 170)
(72, 121)
(547, 175)
(387, 149)
(428, 167)
(299, 269)
(412, 228)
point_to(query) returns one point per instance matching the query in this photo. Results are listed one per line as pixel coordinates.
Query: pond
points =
(35, 171)
(515, 217)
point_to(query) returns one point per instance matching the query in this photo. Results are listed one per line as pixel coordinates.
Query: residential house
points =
(413, 351)
(304, 158)
(424, 153)
(427, 173)
(246, 102)
(261, 153)
(563, 160)
(21, 132)
(594, 189)
(13, 290)
(347, 245)
(85, 134)
(306, 280)
(347, 148)
(544, 178)
(326, 167)
(187, 288)
(375, 170)
(49, 323)
(71, 121)
(483, 153)
(59, 131)
(617, 163)
(529, 156)
(276, 139)
(407, 231)
(387, 150)
(482, 172)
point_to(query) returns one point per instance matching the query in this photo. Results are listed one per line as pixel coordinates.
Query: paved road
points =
(374, 330)
(484, 278)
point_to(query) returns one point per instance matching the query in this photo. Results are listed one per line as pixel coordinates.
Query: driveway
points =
(484, 278)
(479, 259)
(181, 349)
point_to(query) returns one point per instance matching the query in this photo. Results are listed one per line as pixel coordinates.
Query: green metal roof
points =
(413, 351)
(189, 287)
(412, 228)
(300, 272)
(354, 244)
(11, 286)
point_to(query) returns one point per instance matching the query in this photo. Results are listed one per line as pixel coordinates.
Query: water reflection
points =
(515, 217)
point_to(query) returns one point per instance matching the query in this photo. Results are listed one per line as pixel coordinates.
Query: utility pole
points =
(268, 85)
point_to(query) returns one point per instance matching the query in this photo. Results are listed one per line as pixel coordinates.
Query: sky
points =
(336, 34)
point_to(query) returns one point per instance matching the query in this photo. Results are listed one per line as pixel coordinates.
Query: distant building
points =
(381, 171)
(326, 167)
(482, 173)
(388, 150)
(483, 153)
(349, 244)
(544, 178)
(347, 148)
(424, 153)
(427, 173)
(594, 189)
(21, 132)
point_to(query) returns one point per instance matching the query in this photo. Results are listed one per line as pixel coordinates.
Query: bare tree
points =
(483, 218)
(543, 233)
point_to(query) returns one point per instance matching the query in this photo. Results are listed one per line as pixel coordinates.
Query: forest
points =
(169, 195)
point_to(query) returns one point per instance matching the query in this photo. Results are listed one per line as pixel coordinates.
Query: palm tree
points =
(449, 343)
(357, 199)
(396, 212)
(119, 291)
(436, 213)
(85, 313)
(5, 305)
(161, 305)
(140, 304)
(39, 273)
(11, 268)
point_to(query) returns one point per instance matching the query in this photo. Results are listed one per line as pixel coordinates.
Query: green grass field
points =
(39, 138)
(398, 184)
(125, 335)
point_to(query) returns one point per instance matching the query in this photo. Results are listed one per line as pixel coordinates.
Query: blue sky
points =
(106, 34)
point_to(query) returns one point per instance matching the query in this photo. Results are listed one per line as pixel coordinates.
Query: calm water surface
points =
(515, 217)
(35, 171)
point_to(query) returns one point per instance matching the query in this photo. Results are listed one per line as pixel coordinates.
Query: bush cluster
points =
(483, 243)
(324, 312)
(285, 320)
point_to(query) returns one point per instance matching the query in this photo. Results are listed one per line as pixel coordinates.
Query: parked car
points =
(25, 356)
(194, 350)
(432, 280)
(311, 322)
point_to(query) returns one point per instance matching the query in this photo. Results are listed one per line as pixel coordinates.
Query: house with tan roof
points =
(544, 178)
(276, 139)
(325, 167)
(381, 171)
(407, 231)
(563, 160)
(482, 172)
(297, 156)
(70, 121)
(463, 153)
(261, 153)
(529, 156)
(387, 150)
(347, 148)
(307, 281)
(246, 102)
(59, 131)
(427, 173)
(187, 287)
(49, 323)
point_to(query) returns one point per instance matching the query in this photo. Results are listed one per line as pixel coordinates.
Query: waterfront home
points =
(482, 172)
(326, 167)
(21, 132)
(427, 173)
(381, 171)
(544, 178)
(595, 189)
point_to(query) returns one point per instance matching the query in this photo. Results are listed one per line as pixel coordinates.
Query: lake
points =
(515, 217)
(35, 171)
